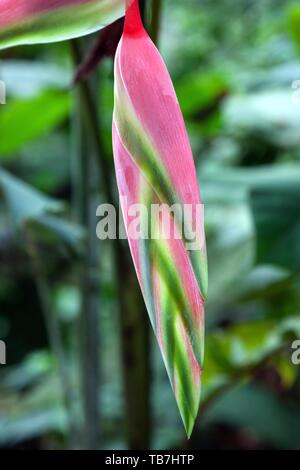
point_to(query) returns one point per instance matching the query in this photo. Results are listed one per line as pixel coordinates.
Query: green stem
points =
(92, 118)
(54, 335)
(134, 325)
(155, 20)
(90, 331)
(89, 323)
(143, 9)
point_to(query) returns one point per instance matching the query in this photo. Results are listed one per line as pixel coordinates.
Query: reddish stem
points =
(133, 22)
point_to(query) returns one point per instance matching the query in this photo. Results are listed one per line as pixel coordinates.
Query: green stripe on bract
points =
(176, 357)
(172, 302)
(187, 395)
(167, 310)
(167, 328)
(144, 252)
(146, 157)
(62, 23)
(140, 148)
(199, 262)
(172, 279)
(147, 278)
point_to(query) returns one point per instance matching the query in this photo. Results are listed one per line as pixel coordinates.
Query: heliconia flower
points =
(154, 165)
(40, 21)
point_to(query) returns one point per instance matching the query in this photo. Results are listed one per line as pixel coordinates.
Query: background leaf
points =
(39, 24)
(17, 126)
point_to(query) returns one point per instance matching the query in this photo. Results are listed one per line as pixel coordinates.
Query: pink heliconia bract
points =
(154, 166)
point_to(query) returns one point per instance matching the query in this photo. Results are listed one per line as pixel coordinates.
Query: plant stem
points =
(134, 325)
(89, 327)
(54, 335)
(89, 321)
(142, 4)
(92, 117)
(155, 20)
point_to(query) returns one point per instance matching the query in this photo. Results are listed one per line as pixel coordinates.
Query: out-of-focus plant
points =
(243, 126)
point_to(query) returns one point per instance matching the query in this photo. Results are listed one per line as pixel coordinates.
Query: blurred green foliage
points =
(233, 64)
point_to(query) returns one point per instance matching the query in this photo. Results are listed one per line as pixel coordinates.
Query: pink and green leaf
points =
(154, 165)
(42, 21)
